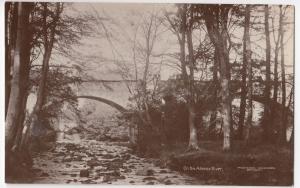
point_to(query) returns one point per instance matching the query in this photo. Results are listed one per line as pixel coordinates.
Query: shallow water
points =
(107, 163)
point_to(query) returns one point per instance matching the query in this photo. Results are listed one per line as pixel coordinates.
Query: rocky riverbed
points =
(102, 162)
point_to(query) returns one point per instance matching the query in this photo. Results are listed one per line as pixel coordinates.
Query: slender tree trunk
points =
(13, 111)
(182, 46)
(213, 116)
(7, 54)
(11, 32)
(291, 141)
(243, 88)
(226, 112)
(283, 123)
(267, 92)
(21, 122)
(276, 53)
(145, 75)
(247, 61)
(275, 94)
(193, 140)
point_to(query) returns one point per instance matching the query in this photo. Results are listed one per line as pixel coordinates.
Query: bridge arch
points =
(105, 101)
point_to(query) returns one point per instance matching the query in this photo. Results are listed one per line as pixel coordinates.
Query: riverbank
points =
(257, 165)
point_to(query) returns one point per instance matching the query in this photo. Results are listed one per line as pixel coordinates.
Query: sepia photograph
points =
(149, 93)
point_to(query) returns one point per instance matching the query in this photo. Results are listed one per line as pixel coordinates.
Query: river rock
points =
(77, 158)
(67, 159)
(84, 173)
(126, 157)
(163, 171)
(127, 170)
(168, 182)
(93, 162)
(117, 160)
(59, 154)
(88, 181)
(150, 172)
(71, 147)
(150, 178)
(116, 173)
(108, 156)
(44, 174)
(102, 138)
(145, 172)
(106, 178)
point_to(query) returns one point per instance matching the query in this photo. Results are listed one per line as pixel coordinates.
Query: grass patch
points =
(243, 165)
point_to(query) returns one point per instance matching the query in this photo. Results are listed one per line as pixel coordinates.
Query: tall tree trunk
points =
(13, 111)
(247, 61)
(213, 116)
(275, 82)
(182, 45)
(193, 140)
(145, 75)
(24, 89)
(291, 98)
(217, 29)
(244, 85)
(275, 94)
(48, 40)
(11, 32)
(267, 91)
(7, 54)
(226, 107)
(18, 136)
(283, 122)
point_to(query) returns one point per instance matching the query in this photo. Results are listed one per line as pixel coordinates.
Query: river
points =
(102, 162)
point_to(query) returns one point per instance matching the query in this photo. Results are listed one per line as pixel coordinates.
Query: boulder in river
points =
(162, 171)
(84, 173)
(116, 173)
(145, 172)
(168, 182)
(67, 159)
(71, 147)
(150, 178)
(108, 156)
(88, 182)
(150, 172)
(93, 162)
(44, 174)
(106, 178)
(77, 158)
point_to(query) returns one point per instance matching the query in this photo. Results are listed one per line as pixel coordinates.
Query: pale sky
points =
(121, 21)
